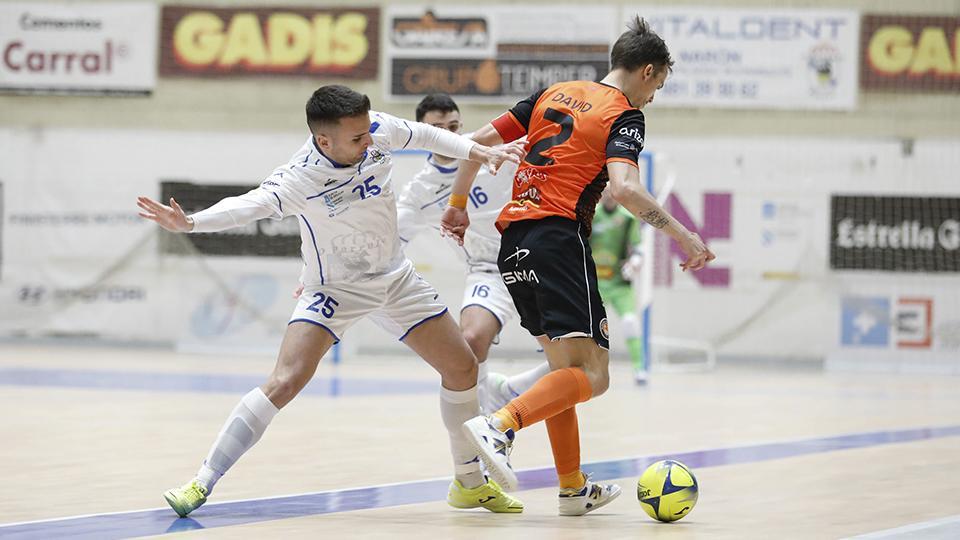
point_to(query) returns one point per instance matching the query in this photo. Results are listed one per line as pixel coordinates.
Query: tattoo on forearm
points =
(656, 219)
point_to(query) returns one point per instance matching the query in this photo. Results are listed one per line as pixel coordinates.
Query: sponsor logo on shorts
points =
(520, 254)
(605, 328)
(519, 276)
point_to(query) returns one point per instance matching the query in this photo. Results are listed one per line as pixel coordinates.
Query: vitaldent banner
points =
(758, 58)
(202, 41)
(910, 53)
(494, 53)
(88, 48)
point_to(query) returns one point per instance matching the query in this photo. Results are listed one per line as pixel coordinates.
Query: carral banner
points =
(900, 234)
(86, 48)
(912, 53)
(758, 58)
(199, 41)
(494, 53)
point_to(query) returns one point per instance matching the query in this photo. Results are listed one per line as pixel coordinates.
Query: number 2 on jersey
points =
(329, 305)
(535, 156)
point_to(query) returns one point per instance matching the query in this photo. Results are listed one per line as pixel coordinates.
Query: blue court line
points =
(204, 382)
(226, 514)
(339, 386)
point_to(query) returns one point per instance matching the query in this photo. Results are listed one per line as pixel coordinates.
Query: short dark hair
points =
(330, 103)
(639, 46)
(436, 102)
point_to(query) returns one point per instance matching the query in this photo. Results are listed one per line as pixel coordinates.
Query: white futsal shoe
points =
(577, 502)
(493, 447)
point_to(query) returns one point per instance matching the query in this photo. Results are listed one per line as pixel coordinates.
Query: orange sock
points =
(565, 441)
(554, 393)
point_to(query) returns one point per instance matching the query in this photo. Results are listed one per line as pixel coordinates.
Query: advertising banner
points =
(202, 41)
(263, 238)
(757, 58)
(910, 53)
(83, 48)
(895, 234)
(908, 324)
(494, 53)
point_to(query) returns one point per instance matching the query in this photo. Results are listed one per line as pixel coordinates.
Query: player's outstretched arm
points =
(226, 214)
(171, 218)
(625, 183)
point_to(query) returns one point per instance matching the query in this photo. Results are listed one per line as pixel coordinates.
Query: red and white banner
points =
(89, 48)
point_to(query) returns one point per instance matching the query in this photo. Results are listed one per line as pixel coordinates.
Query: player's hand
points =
(298, 291)
(498, 155)
(170, 217)
(454, 223)
(631, 267)
(698, 254)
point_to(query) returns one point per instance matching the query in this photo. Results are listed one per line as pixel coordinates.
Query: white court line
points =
(907, 531)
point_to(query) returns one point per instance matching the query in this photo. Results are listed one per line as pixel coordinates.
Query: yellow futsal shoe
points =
(186, 498)
(489, 496)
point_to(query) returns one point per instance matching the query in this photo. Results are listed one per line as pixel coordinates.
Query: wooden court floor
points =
(101, 433)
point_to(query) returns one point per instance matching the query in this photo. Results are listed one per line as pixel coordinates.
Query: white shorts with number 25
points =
(398, 302)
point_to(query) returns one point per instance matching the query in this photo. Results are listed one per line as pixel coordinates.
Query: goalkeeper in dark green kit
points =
(615, 242)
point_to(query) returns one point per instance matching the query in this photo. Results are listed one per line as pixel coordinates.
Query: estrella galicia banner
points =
(494, 53)
(757, 58)
(896, 234)
(910, 53)
(200, 41)
(263, 238)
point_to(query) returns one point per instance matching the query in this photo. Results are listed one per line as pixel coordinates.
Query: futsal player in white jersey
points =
(487, 306)
(339, 187)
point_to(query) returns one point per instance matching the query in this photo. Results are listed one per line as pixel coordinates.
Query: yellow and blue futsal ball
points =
(667, 490)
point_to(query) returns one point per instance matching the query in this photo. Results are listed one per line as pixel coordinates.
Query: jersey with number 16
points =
(423, 200)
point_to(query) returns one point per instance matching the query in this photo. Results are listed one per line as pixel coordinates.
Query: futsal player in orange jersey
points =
(581, 136)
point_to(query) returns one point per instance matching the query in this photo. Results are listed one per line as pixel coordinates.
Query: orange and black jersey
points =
(573, 130)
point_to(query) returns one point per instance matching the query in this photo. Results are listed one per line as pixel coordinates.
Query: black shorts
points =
(548, 269)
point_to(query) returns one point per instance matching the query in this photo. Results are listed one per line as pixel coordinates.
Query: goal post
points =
(663, 353)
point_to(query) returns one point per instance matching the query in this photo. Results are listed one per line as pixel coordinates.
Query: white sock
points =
(244, 427)
(522, 382)
(456, 407)
(482, 371)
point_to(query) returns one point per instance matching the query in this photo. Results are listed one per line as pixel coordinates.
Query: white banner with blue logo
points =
(758, 58)
(897, 323)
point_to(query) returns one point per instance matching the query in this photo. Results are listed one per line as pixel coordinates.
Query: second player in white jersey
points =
(423, 200)
(487, 306)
